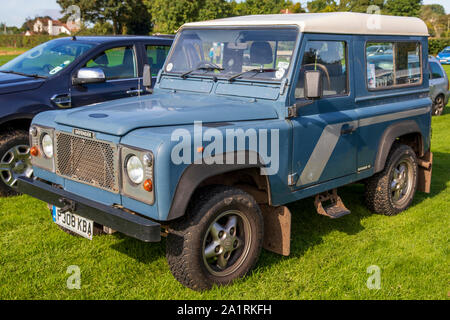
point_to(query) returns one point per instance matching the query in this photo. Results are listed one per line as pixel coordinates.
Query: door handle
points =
(63, 101)
(135, 91)
(347, 129)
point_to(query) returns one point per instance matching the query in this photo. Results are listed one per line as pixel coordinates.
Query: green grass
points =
(329, 257)
(4, 59)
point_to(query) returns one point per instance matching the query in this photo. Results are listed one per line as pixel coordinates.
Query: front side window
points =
(258, 53)
(436, 71)
(47, 59)
(116, 63)
(398, 65)
(330, 58)
(156, 56)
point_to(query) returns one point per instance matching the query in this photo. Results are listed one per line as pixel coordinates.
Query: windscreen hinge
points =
(292, 111)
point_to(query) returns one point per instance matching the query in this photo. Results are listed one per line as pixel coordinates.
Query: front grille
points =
(87, 160)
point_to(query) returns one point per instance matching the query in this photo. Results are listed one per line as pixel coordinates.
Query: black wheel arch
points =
(16, 121)
(193, 176)
(407, 130)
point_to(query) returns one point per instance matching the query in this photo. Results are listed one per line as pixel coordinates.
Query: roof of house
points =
(332, 22)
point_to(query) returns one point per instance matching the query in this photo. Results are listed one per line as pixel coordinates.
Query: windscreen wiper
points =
(258, 70)
(24, 74)
(207, 67)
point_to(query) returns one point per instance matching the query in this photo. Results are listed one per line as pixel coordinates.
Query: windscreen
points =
(47, 59)
(263, 53)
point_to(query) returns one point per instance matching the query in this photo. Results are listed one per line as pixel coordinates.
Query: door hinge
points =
(292, 179)
(292, 111)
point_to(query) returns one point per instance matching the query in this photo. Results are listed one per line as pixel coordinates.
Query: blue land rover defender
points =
(248, 114)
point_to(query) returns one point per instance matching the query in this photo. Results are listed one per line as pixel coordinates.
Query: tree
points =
(126, 17)
(409, 8)
(296, 8)
(359, 5)
(249, 7)
(168, 16)
(215, 9)
(435, 18)
(322, 6)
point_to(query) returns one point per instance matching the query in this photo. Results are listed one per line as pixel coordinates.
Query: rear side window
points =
(330, 57)
(116, 63)
(436, 71)
(393, 64)
(156, 56)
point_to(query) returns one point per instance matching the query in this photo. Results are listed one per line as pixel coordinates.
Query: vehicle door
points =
(120, 65)
(324, 139)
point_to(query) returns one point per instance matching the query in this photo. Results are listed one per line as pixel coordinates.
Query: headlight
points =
(135, 170)
(47, 145)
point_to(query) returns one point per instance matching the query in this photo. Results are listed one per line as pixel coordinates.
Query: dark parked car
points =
(67, 73)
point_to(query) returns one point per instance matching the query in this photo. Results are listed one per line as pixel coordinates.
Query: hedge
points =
(21, 41)
(436, 45)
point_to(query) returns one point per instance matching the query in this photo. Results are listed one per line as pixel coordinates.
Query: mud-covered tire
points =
(384, 187)
(8, 142)
(190, 237)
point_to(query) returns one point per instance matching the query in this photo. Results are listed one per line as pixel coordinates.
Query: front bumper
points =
(129, 224)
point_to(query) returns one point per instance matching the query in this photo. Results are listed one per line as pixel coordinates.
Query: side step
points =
(335, 209)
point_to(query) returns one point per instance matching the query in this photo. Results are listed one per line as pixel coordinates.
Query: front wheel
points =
(392, 190)
(14, 161)
(219, 239)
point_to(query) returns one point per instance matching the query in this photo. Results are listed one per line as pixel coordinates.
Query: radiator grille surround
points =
(88, 161)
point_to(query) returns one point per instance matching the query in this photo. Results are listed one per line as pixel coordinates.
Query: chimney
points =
(50, 27)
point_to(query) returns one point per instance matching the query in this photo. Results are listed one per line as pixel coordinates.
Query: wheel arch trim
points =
(388, 138)
(195, 174)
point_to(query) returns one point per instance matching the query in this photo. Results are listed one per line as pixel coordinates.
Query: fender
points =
(388, 138)
(195, 174)
(16, 117)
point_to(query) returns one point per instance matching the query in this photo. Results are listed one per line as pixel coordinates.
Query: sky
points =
(15, 12)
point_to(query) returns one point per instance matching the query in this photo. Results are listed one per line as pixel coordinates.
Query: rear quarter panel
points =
(388, 107)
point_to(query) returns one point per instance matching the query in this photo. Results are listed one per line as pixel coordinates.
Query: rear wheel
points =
(392, 190)
(219, 239)
(14, 161)
(438, 106)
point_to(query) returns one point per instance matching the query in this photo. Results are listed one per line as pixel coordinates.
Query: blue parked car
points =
(444, 56)
(247, 115)
(67, 73)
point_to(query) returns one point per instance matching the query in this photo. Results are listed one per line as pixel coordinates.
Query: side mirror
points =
(313, 84)
(89, 75)
(147, 78)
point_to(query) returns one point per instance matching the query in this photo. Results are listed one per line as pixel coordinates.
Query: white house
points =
(53, 27)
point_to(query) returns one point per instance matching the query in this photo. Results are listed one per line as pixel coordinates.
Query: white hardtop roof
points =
(332, 22)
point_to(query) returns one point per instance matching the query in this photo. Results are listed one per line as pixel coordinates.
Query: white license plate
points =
(73, 222)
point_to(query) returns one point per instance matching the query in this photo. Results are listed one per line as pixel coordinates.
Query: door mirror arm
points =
(147, 78)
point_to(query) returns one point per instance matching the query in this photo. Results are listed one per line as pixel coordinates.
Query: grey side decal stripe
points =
(393, 116)
(330, 136)
(321, 154)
